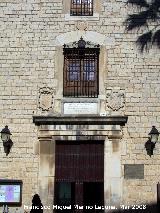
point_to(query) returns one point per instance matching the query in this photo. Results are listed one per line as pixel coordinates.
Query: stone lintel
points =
(85, 135)
(80, 120)
(79, 128)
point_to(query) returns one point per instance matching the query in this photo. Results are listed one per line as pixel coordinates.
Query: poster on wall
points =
(10, 192)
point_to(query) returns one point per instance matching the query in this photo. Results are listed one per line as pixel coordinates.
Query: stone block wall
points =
(28, 51)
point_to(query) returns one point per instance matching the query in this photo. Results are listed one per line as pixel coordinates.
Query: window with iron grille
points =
(81, 8)
(80, 73)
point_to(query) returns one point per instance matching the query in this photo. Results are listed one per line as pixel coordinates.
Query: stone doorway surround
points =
(108, 129)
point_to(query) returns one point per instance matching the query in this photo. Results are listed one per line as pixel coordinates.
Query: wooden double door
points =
(79, 175)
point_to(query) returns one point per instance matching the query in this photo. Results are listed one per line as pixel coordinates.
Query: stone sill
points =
(95, 17)
(79, 100)
(80, 120)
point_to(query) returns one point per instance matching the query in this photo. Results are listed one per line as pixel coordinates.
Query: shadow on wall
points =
(152, 208)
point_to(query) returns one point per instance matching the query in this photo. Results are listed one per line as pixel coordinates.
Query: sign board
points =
(134, 171)
(10, 192)
(80, 108)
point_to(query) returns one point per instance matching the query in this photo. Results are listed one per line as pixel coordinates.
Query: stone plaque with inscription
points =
(80, 108)
(134, 171)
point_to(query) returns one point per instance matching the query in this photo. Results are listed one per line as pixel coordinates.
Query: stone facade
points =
(31, 71)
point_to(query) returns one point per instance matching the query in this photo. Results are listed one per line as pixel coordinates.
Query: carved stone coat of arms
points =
(115, 100)
(45, 98)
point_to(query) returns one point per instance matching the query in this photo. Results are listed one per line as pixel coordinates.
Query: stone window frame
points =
(97, 8)
(68, 38)
(59, 61)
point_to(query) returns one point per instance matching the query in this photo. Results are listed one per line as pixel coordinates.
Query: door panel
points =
(65, 194)
(79, 172)
(91, 162)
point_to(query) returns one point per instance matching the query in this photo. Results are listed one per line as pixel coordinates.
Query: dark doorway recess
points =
(93, 195)
(79, 174)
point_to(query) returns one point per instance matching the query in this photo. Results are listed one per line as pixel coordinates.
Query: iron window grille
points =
(81, 8)
(80, 72)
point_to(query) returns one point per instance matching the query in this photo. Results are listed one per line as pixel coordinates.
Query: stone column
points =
(112, 173)
(46, 173)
